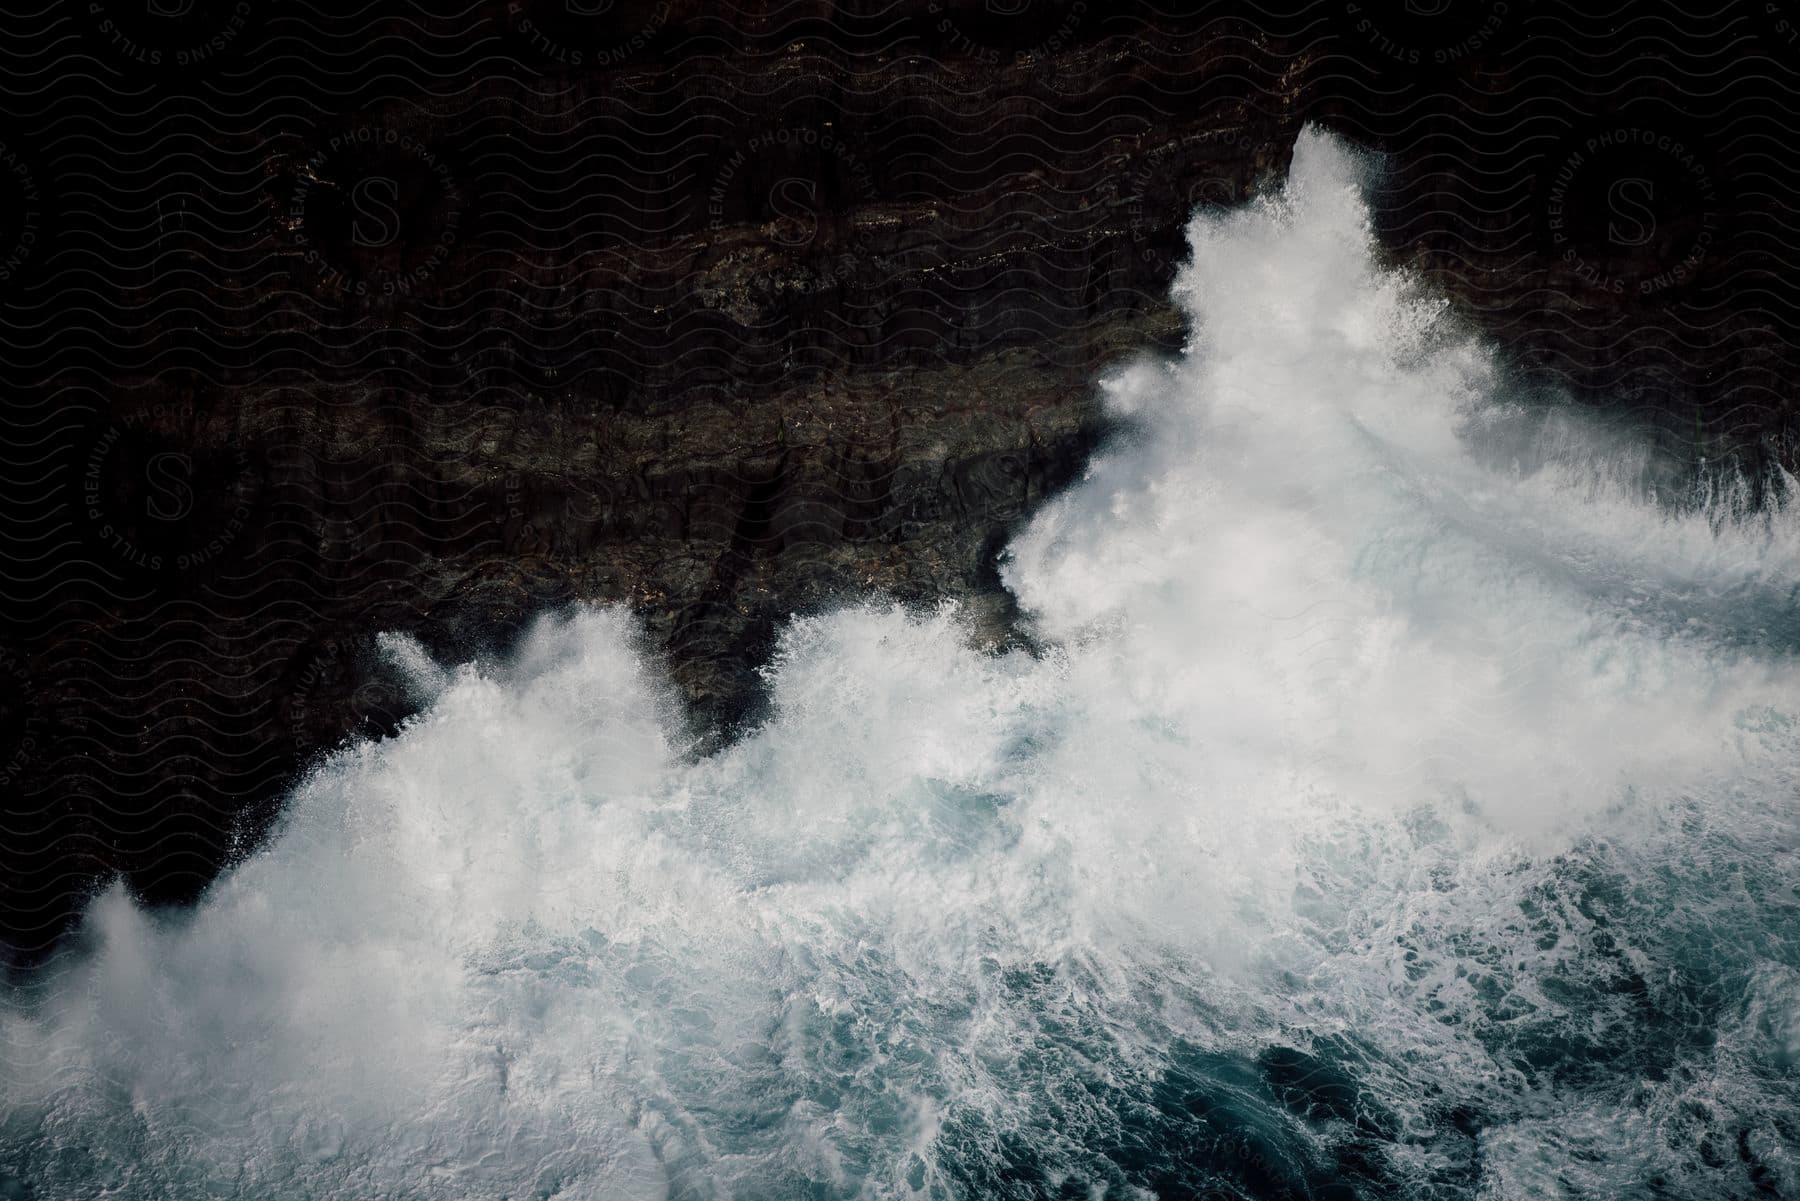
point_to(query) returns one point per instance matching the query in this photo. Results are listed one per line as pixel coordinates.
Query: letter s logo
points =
(174, 9)
(377, 220)
(1427, 8)
(1630, 200)
(170, 497)
(796, 221)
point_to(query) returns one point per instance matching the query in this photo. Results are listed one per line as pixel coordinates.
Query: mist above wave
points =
(1403, 801)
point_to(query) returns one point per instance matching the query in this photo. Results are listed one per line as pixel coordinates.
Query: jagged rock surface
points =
(640, 348)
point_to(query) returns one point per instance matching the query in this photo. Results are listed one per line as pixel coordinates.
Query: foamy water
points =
(1404, 804)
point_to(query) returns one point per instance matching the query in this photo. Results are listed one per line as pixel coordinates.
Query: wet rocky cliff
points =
(432, 319)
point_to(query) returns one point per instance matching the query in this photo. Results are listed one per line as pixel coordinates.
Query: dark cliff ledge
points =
(429, 323)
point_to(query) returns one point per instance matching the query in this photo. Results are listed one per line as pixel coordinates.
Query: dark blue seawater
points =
(1401, 804)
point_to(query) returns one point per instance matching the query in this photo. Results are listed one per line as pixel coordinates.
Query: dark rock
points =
(723, 313)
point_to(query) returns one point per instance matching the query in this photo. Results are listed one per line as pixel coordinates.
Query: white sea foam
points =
(1377, 711)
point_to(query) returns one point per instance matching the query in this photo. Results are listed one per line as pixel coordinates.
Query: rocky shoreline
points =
(725, 316)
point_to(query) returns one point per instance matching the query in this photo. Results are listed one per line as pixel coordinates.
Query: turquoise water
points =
(1401, 803)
